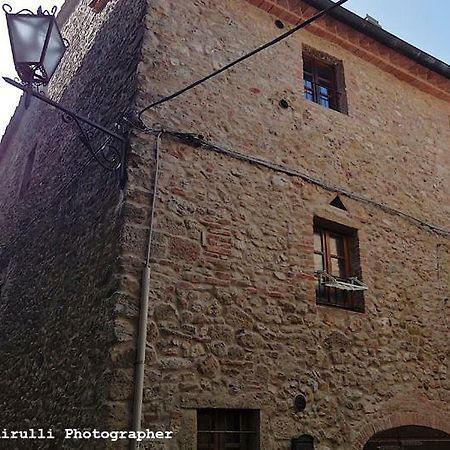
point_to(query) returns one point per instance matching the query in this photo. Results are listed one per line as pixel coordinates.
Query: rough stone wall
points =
(59, 251)
(233, 319)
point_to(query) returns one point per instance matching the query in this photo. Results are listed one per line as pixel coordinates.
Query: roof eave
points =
(384, 37)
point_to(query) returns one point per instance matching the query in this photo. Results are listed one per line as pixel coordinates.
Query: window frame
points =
(318, 82)
(248, 418)
(330, 296)
(335, 83)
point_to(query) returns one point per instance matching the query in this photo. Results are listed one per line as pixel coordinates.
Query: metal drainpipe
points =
(142, 334)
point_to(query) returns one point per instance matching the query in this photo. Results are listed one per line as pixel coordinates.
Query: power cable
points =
(244, 57)
(187, 88)
(196, 140)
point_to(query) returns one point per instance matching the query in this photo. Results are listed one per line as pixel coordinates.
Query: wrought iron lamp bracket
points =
(107, 155)
(111, 154)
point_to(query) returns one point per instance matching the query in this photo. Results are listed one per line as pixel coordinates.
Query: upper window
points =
(323, 82)
(336, 265)
(227, 429)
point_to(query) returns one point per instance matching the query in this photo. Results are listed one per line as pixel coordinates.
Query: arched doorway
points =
(409, 437)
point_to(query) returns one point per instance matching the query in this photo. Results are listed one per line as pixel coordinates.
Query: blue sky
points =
(423, 23)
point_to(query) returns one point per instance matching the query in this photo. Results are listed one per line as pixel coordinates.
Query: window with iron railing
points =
(337, 267)
(323, 83)
(227, 429)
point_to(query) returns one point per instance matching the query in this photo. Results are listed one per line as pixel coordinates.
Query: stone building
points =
(321, 159)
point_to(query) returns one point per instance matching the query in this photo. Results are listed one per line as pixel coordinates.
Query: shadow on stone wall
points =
(58, 257)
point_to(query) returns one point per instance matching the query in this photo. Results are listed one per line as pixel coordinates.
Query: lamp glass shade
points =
(55, 50)
(37, 45)
(27, 34)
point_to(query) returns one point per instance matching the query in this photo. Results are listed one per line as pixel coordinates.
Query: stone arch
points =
(400, 419)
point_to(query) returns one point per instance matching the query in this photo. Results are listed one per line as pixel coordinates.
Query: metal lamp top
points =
(36, 43)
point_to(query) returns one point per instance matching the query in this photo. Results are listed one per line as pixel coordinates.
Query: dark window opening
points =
(98, 5)
(323, 83)
(336, 252)
(227, 429)
(26, 179)
(303, 442)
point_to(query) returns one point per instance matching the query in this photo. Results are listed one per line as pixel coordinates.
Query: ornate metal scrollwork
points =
(43, 12)
(107, 155)
(111, 155)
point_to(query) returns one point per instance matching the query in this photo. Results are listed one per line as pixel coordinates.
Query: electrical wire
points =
(244, 57)
(198, 141)
(189, 87)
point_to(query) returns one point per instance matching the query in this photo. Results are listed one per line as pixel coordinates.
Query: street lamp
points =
(36, 42)
(38, 47)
